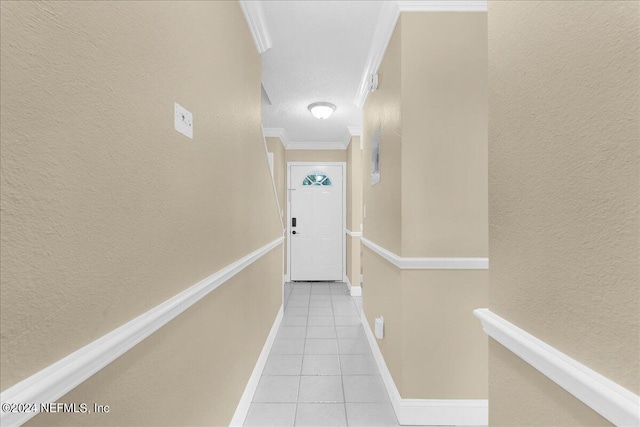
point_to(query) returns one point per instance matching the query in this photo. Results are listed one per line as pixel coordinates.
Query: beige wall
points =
(431, 202)
(107, 211)
(354, 208)
(279, 171)
(564, 192)
(382, 108)
(280, 179)
(444, 135)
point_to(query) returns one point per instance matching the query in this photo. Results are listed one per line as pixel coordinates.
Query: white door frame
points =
(344, 211)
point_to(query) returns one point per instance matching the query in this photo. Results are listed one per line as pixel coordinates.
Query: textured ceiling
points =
(318, 53)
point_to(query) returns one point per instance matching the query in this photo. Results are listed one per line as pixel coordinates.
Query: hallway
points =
(321, 371)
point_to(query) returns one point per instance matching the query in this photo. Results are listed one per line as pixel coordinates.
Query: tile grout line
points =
(344, 395)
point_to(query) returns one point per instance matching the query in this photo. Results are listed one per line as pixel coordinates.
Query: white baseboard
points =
(348, 283)
(245, 401)
(607, 398)
(56, 380)
(356, 291)
(427, 412)
(286, 278)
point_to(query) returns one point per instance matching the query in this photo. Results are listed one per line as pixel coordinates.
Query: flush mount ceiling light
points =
(322, 110)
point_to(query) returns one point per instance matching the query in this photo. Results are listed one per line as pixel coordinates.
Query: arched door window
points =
(317, 178)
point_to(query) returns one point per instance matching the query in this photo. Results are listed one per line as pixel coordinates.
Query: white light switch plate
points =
(183, 120)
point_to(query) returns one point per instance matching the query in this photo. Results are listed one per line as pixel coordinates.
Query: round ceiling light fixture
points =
(322, 110)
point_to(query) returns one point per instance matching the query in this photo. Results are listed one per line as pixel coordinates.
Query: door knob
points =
(294, 232)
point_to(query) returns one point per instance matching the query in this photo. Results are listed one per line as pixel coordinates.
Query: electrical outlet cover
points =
(183, 120)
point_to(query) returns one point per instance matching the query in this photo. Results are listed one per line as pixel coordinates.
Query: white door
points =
(316, 230)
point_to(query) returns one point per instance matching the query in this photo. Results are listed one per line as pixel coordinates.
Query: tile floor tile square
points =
(320, 311)
(350, 332)
(294, 321)
(371, 414)
(358, 364)
(345, 311)
(298, 303)
(347, 320)
(321, 414)
(320, 303)
(271, 414)
(321, 389)
(364, 388)
(288, 346)
(292, 332)
(296, 311)
(283, 364)
(321, 346)
(321, 332)
(320, 365)
(353, 346)
(320, 297)
(320, 321)
(277, 389)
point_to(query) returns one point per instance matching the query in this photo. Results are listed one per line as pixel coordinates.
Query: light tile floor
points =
(320, 371)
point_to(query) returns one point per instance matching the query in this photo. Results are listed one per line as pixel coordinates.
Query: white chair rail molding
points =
(607, 398)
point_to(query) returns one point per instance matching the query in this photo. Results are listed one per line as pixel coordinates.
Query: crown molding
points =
(384, 30)
(277, 133)
(387, 22)
(310, 145)
(607, 398)
(254, 15)
(442, 5)
(354, 130)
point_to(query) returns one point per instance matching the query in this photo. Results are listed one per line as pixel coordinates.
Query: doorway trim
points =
(344, 212)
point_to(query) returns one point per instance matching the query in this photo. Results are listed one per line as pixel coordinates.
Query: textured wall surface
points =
(354, 208)
(522, 396)
(430, 202)
(280, 177)
(382, 108)
(444, 352)
(107, 211)
(564, 184)
(444, 135)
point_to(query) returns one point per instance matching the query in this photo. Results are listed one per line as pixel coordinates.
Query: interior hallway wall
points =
(107, 211)
(564, 120)
(431, 201)
(274, 145)
(354, 209)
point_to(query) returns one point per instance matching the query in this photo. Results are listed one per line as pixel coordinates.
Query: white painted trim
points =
(428, 263)
(426, 411)
(286, 278)
(348, 283)
(353, 233)
(317, 145)
(247, 396)
(276, 133)
(384, 30)
(356, 291)
(344, 209)
(354, 130)
(254, 15)
(614, 402)
(442, 5)
(56, 380)
(387, 22)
